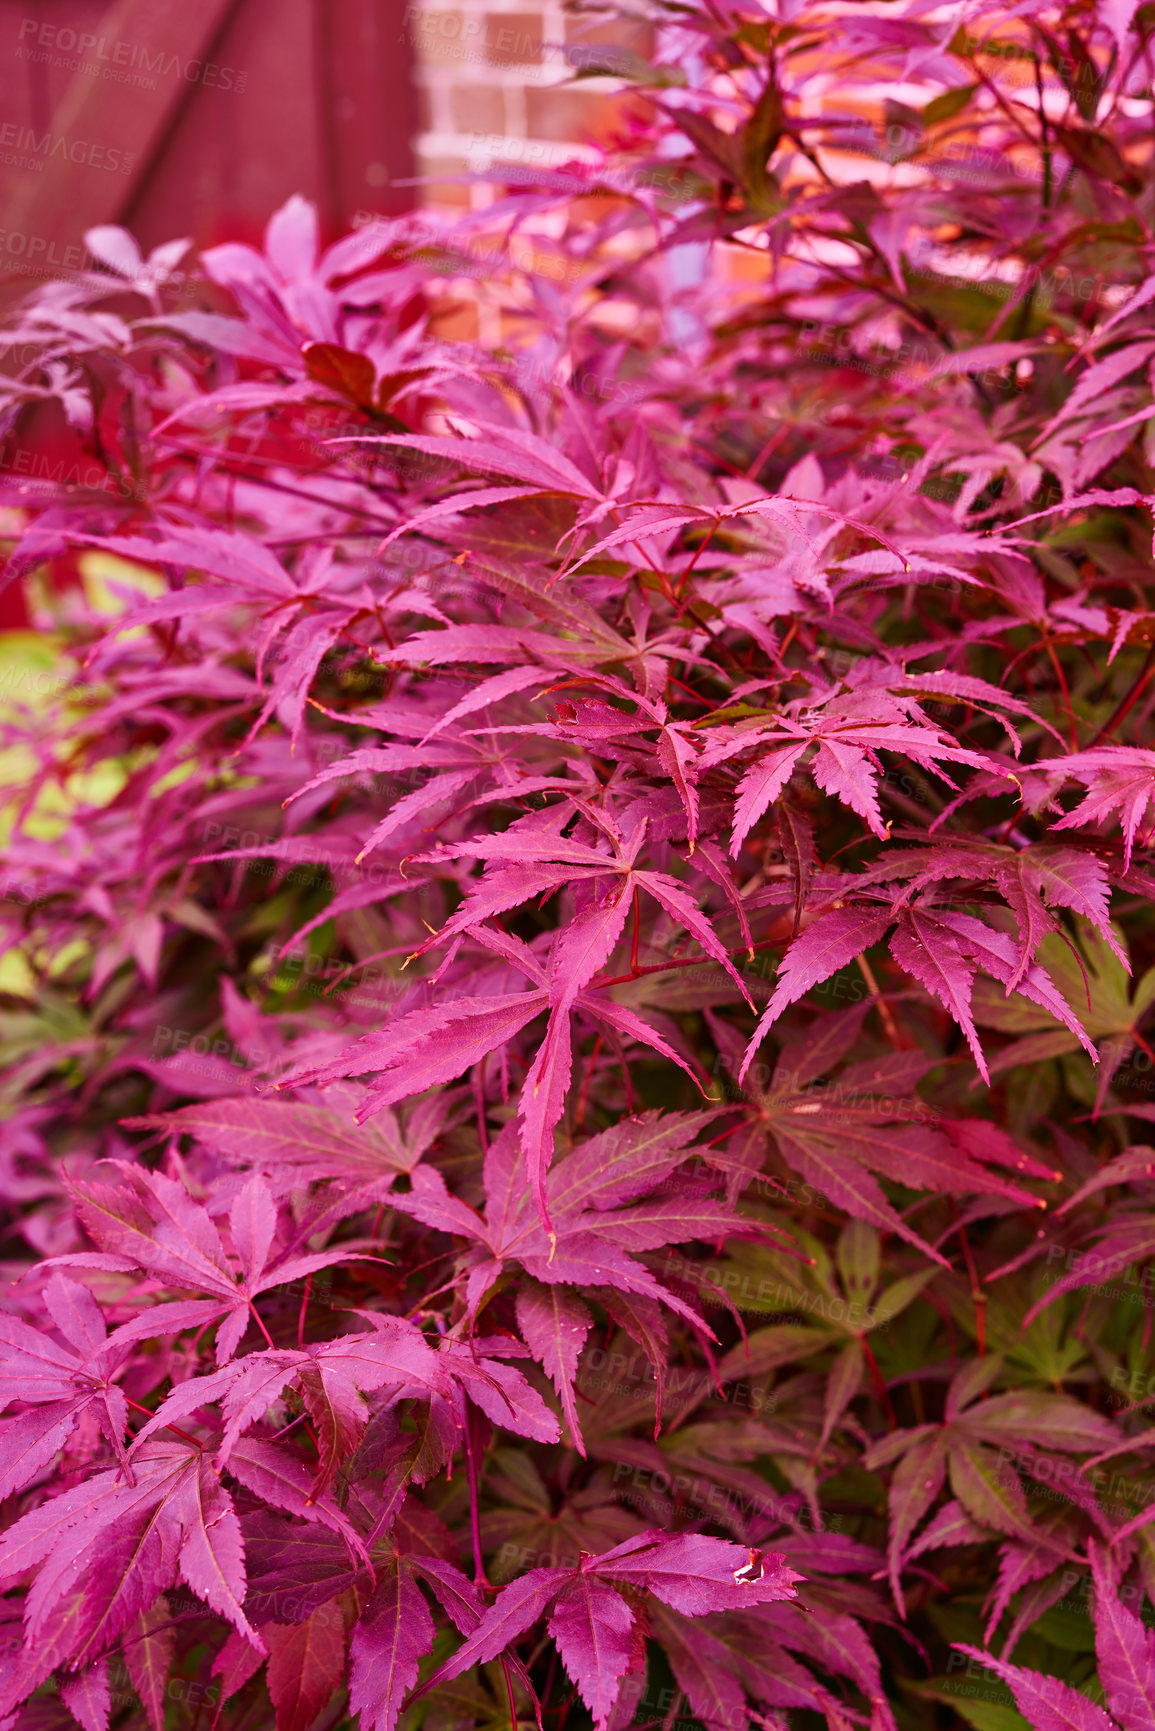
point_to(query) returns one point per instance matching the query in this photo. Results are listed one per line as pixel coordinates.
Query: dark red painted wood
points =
(195, 117)
(189, 117)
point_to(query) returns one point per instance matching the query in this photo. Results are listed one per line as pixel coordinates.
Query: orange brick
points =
(455, 322)
(478, 108)
(623, 41)
(514, 38)
(447, 193)
(438, 37)
(574, 116)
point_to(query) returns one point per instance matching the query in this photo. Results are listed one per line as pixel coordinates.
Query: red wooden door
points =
(195, 117)
(191, 117)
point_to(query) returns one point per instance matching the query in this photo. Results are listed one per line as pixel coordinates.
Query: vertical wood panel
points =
(368, 100)
(233, 155)
(103, 134)
(220, 108)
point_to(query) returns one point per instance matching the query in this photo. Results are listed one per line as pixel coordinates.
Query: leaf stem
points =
(583, 1098)
(260, 1324)
(509, 1689)
(977, 1293)
(688, 962)
(1062, 678)
(1123, 709)
(480, 1578)
(175, 1428)
(880, 1003)
(307, 1294)
(879, 1382)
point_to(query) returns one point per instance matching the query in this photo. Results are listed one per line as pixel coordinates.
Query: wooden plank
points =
(223, 108)
(232, 156)
(368, 104)
(173, 42)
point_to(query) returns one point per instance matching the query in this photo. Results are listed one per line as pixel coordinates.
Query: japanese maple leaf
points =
(1124, 1649)
(429, 1046)
(1123, 1234)
(798, 517)
(149, 1650)
(1047, 1703)
(456, 764)
(987, 1487)
(500, 1390)
(297, 1575)
(526, 861)
(554, 1325)
(867, 1119)
(592, 1622)
(392, 1360)
(333, 1378)
(145, 1221)
(618, 734)
(298, 1143)
(1120, 782)
(306, 1666)
(1091, 975)
(1032, 881)
(100, 1556)
(943, 950)
(393, 1635)
(719, 1661)
(245, 569)
(305, 645)
(539, 468)
(1022, 1565)
(598, 1219)
(296, 1570)
(58, 1383)
(846, 734)
(581, 949)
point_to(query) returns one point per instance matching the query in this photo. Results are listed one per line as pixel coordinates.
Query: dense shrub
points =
(577, 923)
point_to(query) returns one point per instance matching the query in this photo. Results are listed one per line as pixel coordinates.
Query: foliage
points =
(578, 958)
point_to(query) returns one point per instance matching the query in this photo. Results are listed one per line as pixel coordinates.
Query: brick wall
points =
(488, 86)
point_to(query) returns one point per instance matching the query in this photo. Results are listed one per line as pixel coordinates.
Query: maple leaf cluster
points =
(578, 967)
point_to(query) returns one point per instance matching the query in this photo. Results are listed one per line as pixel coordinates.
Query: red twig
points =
(479, 1576)
(308, 1292)
(583, 1098)
(175, 1428)
(977, 1293)
(1122, 711)
(1062, 678)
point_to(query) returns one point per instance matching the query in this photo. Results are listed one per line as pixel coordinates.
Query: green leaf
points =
(858, 1260)
(991, 1493)
(946, 106)
(893, 1300)
(984, 1715)
(949, 104)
